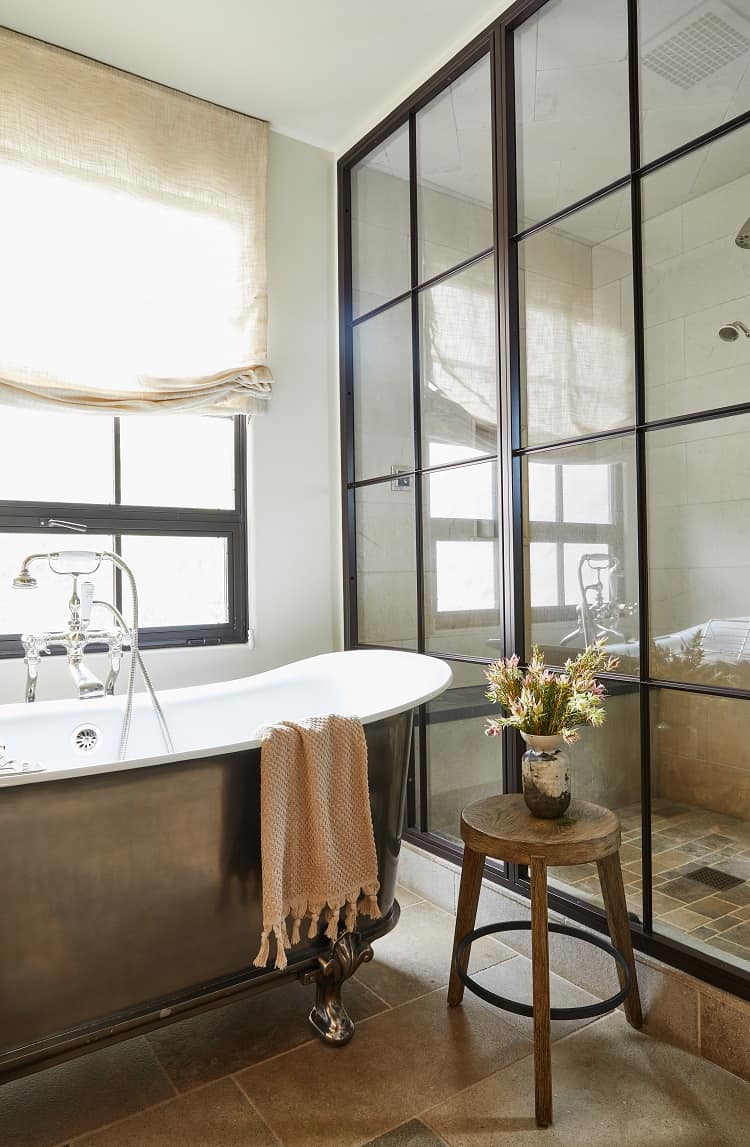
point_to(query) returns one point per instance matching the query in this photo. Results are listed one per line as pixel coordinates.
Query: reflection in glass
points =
(46, 607)
(581, 550)
(383, 393)
(463, 764)
(461, 560)
(381, 253)
(700, 770)
(697, 279)
(572, 123)
(454, 173)
(386, 564)
(181, 580)
(694, 70)
(576, 324)
(459, 376)
(699, 565)
(180, 460)
(606, 769)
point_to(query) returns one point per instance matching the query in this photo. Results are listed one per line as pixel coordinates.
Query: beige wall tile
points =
(725, 1031)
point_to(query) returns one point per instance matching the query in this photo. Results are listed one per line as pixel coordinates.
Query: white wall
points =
(293, 467)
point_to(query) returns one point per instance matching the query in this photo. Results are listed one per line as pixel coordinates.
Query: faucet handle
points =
(87, 600)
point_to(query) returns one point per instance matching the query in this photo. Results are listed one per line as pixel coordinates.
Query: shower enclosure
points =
(546, 438)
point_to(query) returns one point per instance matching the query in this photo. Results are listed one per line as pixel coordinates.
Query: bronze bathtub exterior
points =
(132, 898)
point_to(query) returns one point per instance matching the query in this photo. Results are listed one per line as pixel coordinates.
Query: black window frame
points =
(116, 518)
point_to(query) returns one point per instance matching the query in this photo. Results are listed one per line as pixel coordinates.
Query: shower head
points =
(743, 236)
(731, 331)
(24, 580)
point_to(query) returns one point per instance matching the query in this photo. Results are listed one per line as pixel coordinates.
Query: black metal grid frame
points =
(116, 519)
(497, 42)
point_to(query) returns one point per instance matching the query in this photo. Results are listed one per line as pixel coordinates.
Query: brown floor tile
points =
(712, 906)
(684, 889)
(611, 1086)
(415, 958)
(740, 894)
(398, 1063)
(663, 904)
(684, 919)
(671, 858)
(411, 1134)
(225, 1040)
(739, 935)
(218, 1115)
(722, 923)
(74, 1097)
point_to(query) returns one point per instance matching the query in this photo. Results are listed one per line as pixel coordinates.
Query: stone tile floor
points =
(701, 875)
(417, 1074)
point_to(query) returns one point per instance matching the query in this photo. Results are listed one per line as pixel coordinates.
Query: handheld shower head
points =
(743, 236)
(24, 580)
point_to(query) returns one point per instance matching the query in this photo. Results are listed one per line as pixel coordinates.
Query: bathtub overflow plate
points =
(86, 738)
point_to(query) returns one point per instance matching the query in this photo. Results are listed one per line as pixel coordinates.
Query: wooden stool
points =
(502, 827)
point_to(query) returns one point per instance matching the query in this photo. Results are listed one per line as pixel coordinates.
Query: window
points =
(576, 536)
(166, 492)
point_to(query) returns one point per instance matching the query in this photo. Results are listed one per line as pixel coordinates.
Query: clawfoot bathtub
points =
(131, 890)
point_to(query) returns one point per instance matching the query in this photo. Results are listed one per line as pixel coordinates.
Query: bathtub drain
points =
(85, 738)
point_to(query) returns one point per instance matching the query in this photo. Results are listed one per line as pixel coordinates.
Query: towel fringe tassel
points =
(261, 959)
(279, 932)
(368, 905)
(354, 904)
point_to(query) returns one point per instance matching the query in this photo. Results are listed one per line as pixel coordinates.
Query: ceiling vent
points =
(699, 45)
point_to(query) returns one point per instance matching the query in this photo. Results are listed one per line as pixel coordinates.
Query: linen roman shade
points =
(132, 242)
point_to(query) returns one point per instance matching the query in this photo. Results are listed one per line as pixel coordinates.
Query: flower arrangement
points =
(544, 704)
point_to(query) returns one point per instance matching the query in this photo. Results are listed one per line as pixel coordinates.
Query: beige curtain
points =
(132, 242)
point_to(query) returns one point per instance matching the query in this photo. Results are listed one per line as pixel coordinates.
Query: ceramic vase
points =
(546, 776)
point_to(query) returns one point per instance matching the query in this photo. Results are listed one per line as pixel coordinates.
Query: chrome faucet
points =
(78, 635)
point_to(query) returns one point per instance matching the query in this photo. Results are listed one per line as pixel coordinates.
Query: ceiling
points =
(323, 71)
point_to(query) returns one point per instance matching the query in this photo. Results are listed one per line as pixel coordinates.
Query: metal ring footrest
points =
(587, 1011)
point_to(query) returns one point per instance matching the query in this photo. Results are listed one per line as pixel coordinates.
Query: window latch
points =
(61, 524)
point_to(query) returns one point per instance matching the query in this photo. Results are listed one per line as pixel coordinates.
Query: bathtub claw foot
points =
(329, 1016)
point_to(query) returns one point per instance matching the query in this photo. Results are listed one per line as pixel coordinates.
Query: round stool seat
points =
(503, 827)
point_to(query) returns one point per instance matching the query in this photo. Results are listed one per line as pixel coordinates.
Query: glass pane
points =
(56, 457)
(45, 609)
(459, 377)
(572, 119)
(576, 324)
(694, 69)
(383, 394)
(381, 248)
(386, 564)
(697, 279)
(700, 769)
(581, 554)
(181, 580)
(454, 173)
(605, 768)
(178, 460)
(698, 490)
(461, 560)
(463, 764)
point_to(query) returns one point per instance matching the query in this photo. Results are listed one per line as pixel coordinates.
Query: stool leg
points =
(613, 892)
(468, 898)
(540, 977)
